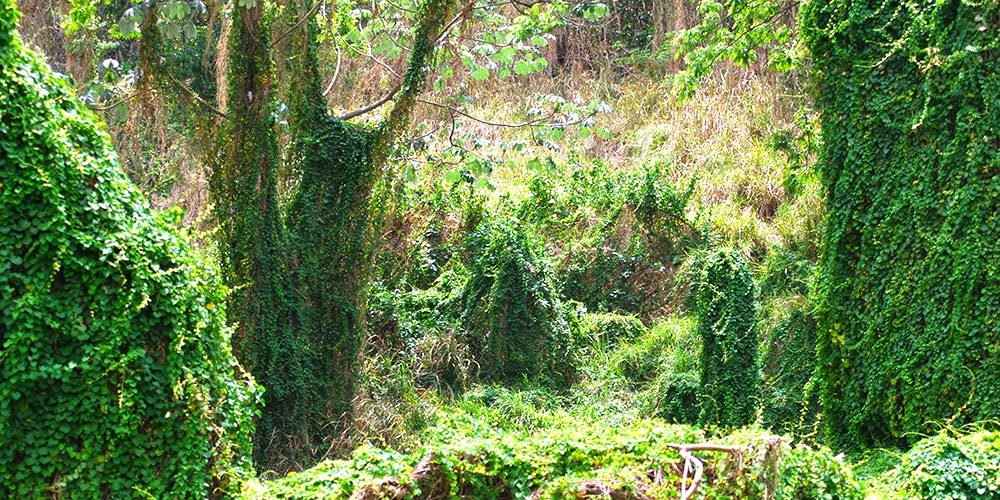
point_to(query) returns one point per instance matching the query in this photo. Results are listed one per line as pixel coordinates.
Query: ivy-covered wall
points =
(116, 378)
(909, 286)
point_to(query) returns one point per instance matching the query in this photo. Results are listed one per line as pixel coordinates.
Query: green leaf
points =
(480, 73)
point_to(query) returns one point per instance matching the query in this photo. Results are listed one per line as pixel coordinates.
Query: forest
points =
(499, 249)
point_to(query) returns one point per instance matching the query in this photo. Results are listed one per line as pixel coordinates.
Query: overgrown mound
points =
(116, 378)
(511, 309)
(909, 285)
(470, 459)
(726, 301)
(945, 466)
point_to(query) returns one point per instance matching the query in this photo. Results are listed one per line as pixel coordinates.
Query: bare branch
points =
(194, 95)
(336, 73)
(128, 97)
(537, 122)
(375, 105)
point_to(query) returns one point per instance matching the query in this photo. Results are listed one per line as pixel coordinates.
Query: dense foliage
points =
(788, 365)
(500, 249)
(116, 376)
(511, 310)
(726, 299)
(909, 287)
(468, 458)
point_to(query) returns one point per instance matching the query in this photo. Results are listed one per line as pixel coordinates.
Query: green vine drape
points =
(116, 375)
(909, 286)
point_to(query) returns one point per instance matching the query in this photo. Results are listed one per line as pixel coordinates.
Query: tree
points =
(909, 284)
(116, 375)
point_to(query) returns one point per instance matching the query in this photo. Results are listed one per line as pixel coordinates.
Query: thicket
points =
(788, 365)
(466, 457)
(909, 284)
(116, 376)
(726, 301)
(511, 309)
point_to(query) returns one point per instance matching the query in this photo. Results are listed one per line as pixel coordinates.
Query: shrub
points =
(468, 458)
(909, 283)
(669, 346)
(511, 309)
(611, 329)
(726, 301)
(677, 398)
(946, 466)
(116, 377)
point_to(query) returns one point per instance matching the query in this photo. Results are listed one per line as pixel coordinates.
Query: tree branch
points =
(336, 73)
(194, 95)
(299, 23)
(373, 106)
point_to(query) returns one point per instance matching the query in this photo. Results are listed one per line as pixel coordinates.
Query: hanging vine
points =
(909, 286)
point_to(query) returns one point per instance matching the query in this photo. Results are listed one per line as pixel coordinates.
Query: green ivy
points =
(116, 378)
(726, 301)
(909, 285)
(468, 458)
(788, 362)
(511, 309)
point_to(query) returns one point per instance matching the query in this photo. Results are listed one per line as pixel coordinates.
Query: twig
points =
(129, 97)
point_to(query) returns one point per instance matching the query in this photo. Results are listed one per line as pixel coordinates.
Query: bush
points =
(946, 466)
(511, 309)
(677, 398)
(670, 346)
(116, 377)
(909, 283)
(468, 458)
(727, 323)
(611, 329)
(788, 359)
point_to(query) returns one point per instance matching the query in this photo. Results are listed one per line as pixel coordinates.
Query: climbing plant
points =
(909, 285)
(511, 309)
(253, 246)
(116, 378)
(726, 301)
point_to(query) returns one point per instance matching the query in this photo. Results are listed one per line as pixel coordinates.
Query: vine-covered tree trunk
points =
(299, 286)
(909, 284)
(253, 246)
(330, 221)
(727, 322)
